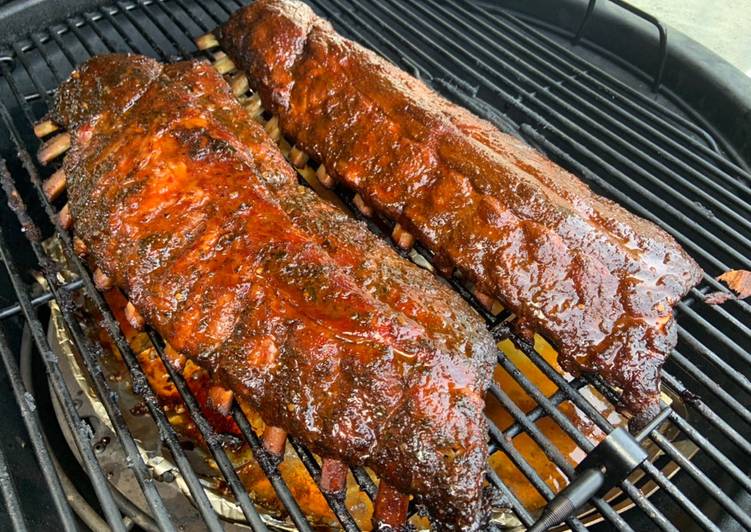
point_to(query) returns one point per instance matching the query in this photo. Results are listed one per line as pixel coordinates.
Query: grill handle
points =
(607, 465)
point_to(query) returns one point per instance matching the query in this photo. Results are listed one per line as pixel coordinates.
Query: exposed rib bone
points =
(298, 157)
(362, 206)
(403, 239)
(390, 508)
(204, 42)
(333, 476)
(272, 128)
(79, 246)
(484, 299)
(54, 147)
(65, 218)
(224, 64)
(221, 399)
(44, 128)
(55, 185)
(324, 177)
(274, 440)
(254, 105)
(101, 280)
(134, 317)
(239, 84)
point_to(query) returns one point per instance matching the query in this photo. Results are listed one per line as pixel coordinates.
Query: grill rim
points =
(91, 21)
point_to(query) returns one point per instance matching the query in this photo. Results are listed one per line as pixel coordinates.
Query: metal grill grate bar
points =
(84, 346)
(138, 377)
(79, 429)
(36, 435)
(550, 113)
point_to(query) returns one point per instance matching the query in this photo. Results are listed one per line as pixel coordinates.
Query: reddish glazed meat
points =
(189, 208)
(598, 281)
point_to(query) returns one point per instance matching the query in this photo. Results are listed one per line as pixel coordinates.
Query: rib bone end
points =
(274, 440)
(79, 246)
(101, 280)
(363, 207)
(134, 317)
(65, 218)
(324, 178)
(205, 42)
(390, 508)
(403, 239)
(333, 476)
(44, 128)
(54, 147)
(55, 185)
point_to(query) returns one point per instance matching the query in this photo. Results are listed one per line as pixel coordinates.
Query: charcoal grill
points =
(633, 128)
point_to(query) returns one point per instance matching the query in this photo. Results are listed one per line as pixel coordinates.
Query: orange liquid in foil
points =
(303, 487)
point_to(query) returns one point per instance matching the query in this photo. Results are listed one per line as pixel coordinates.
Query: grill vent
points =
(649, 157)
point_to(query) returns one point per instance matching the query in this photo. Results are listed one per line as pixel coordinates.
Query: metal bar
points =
(527, 470)
(36, 435)
(74, 28)
(546, 445)
(713, 331)
(210, 438)
(335, 503)
(140, 382)
(707, 413)
(13, 310)
(51, 65)
(713, 489)
(147, 35)
(693, 371)
(585, 19)
(679, 497)
(183, 30)
(24, 61)
(54, 35)
(270, 470)
(144, 8)
(10, 496)
(513, 51)
(708, 447)
(663, 37)
(638, 103)
(80, 431)
(713, 358)
(589, 410)
(91, 362)
(554, 113)
(195, 18)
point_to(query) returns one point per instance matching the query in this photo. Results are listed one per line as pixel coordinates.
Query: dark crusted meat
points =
(598, 281)
(188, 207)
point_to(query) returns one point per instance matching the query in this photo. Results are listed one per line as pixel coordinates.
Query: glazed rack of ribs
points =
(451, 47)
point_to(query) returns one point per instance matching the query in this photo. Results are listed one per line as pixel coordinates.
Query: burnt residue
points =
(17, 205)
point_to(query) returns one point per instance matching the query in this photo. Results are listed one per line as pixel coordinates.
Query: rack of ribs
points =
(594, 279)
(188, 207)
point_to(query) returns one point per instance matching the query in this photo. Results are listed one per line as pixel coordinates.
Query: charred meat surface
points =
(187, 206)
(598, 281)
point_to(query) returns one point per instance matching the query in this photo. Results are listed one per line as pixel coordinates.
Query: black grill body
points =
(668, 139)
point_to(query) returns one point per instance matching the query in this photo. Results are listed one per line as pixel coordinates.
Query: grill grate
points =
(653, 160)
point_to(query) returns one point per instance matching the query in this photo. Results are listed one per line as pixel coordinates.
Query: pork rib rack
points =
(594, 279)
(185, 204)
